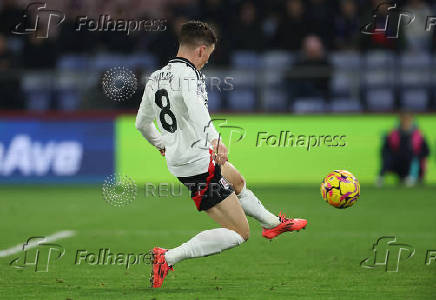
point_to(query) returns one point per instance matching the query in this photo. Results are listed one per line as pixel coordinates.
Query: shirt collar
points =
(182, 59)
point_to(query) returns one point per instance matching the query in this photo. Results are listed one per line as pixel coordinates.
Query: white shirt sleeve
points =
(197, 110)
(145, 122)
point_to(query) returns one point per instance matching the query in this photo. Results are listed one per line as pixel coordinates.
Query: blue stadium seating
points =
(345, 105)
(38, 100)
(377, 59)
(415, 70)
(246, 60)
(277, 60)
(242, 79)
(68, 100)
(73, 63)
(37, 90)
(259, 79)
(381, 99)
(415, 60)
(346, 60)
(142, 61)
(309, 105)
(373, 78)
(415, 99)
(214, 100)
(103, 62)
(275, 99)
(341, 83)
(241, 99)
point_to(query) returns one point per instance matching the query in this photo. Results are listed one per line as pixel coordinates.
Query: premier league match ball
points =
(340, 189)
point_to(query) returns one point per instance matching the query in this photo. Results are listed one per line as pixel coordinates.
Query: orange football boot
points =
(285, 225)
(159, 268)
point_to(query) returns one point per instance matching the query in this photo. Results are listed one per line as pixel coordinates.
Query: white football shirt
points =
(175, 96)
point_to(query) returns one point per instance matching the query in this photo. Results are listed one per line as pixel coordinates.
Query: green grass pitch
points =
(322, 262)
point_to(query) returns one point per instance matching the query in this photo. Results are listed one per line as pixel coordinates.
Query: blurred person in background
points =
(404, 152)
(10, 92)
(217, 11)
(70, 40)
(320, 20)
(314, 71)
(292, 28)
(221, 55)
(271, 13)
(417, 38)
(117, 41)
(347, 27)
(5, 54)
(247, 30)
(9, 14)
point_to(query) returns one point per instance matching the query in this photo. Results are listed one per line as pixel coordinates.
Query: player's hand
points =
(220, 152)
(162, 152)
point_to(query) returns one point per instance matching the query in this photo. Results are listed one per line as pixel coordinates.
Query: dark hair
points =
(195, 33)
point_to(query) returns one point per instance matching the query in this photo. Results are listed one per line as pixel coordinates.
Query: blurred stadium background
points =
(263, 45)
(287, 57)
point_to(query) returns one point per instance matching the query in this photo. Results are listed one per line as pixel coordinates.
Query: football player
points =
(176, 97)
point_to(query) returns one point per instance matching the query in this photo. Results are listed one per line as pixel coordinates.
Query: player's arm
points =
(220, 152)
(199, 115)
(145, 124)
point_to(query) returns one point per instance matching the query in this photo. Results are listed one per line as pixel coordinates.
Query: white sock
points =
(254, 208)
(205, 243)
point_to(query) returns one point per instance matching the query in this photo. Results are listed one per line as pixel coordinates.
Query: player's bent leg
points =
(235, 230)
(272, 225)
(232, 175)
(229, 214)
(249, 202)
